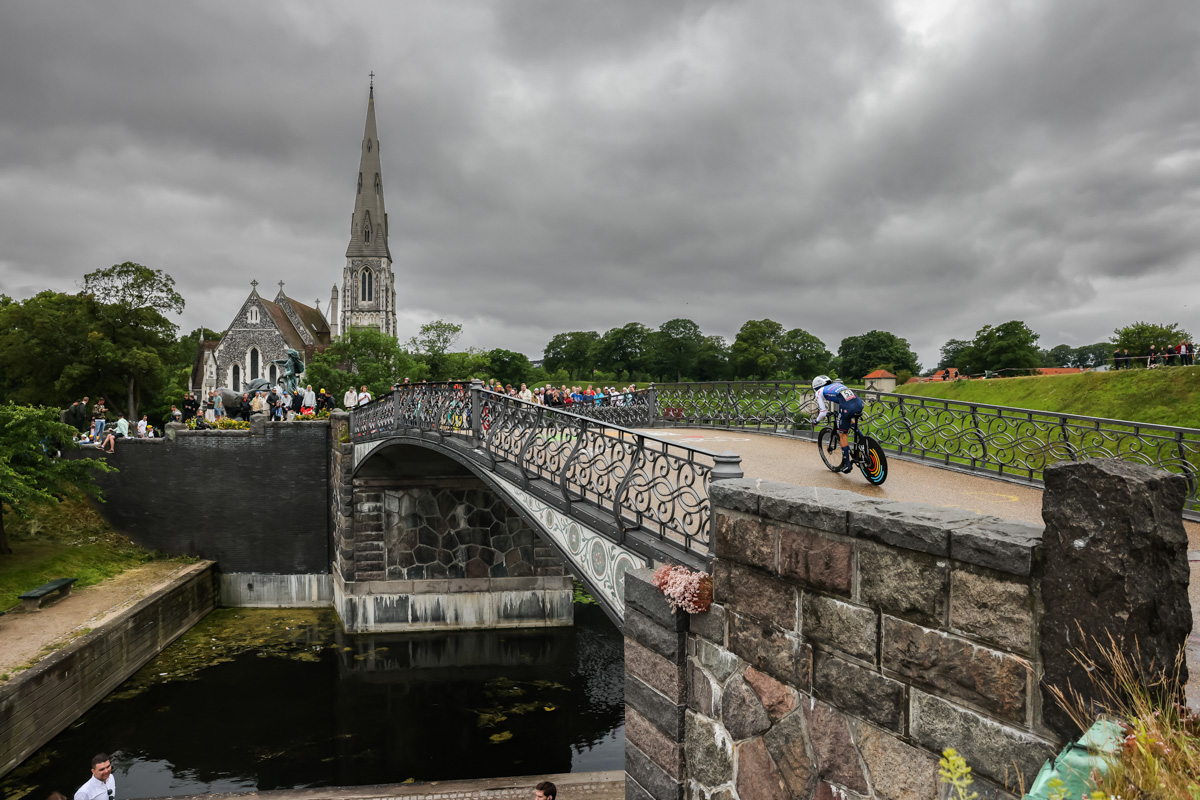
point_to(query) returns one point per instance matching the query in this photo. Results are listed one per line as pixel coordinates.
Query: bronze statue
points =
(291, 367)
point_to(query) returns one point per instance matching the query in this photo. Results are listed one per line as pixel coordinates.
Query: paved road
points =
(796, 461)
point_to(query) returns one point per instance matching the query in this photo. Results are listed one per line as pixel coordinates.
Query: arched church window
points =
(235, 382)
(252, 315)
(274, 374)
(367, 283)
(360, 183)
(253, 363)
(367, 235)
(377, 184)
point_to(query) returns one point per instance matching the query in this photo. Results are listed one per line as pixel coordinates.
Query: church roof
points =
(368, 226)
(284, 325)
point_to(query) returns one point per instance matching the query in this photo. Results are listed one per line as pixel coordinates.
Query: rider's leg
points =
(845, 442)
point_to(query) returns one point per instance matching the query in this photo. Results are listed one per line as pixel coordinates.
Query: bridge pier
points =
(422, 544)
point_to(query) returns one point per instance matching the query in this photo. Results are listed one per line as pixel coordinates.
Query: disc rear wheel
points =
(828, 444)
(872, 462)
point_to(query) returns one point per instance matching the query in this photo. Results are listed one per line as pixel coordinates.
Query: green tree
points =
(574, 352)
(712, 361)
(31, 470)
(756, 351)
(1140, 335)
(362, 356)
(624, 349)
(804, 355)
(676, 346)
(44, 342)
(951, 351)
(1011, 346)
(861, 355)
(1061, 355)
(509, 367)
(1091, 356)
(432, 343)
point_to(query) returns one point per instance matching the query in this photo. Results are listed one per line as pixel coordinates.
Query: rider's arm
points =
(821, 405)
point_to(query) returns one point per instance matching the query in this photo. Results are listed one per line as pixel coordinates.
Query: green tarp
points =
(1078, 760)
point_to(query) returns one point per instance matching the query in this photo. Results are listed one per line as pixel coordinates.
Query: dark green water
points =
(278, 699)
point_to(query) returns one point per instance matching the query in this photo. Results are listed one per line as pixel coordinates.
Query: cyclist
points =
(849, 405)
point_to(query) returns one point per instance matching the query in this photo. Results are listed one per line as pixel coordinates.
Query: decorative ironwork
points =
(1009, 443)
(627, 409)
(643, 482)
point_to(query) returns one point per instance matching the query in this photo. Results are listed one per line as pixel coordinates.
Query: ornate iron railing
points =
(642, 482)
(1008, 443)
(627, 409)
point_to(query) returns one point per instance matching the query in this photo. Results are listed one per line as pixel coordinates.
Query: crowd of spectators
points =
(564, 397)
(96, 426)
(277, 403)
(1180, 355)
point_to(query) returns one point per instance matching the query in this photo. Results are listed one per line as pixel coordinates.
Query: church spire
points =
(368, 227)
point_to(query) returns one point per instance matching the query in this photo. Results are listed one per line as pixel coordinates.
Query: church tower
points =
(368, 286)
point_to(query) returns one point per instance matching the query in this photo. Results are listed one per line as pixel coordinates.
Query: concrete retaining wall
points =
(254, 501)
(40, 702)
(260, 590)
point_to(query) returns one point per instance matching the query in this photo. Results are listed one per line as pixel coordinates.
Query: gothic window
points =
(367, 285)
(236, 381)
(274, 374)
(368, 145)
(253, 363)
(252, 315)
(367, 235)
(377, 185)
(360, 183)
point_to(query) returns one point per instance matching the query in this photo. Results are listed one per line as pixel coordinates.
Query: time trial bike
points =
(865, 452)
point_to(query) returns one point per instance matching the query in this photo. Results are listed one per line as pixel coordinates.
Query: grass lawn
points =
(1165, 396)
(67, 540)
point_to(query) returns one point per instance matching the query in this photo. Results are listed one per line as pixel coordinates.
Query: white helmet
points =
(820, 381)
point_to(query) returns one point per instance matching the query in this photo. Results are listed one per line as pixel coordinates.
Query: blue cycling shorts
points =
(848, 410)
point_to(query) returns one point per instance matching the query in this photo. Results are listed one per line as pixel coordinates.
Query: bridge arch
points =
(593, 558)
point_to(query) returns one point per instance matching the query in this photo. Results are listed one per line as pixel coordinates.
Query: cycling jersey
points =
(849, 404)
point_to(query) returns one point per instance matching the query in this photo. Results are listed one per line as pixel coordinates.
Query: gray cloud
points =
(562, 165)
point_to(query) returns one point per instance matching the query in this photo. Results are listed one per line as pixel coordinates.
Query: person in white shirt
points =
(350, 399)
(364, 397)
(142, 423)
(101, 785)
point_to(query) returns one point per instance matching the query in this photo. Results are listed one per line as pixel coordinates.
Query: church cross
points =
(254, 284)
(281, 287)
(372, 79)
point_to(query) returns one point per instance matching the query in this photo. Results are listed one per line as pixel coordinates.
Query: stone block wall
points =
(341, 497)
(852, 640)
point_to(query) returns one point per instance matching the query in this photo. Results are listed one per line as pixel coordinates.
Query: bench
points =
(32, 600)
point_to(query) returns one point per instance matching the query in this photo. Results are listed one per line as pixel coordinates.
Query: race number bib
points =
(846, 394)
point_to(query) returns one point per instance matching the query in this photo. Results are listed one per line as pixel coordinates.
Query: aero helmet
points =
(821, 380)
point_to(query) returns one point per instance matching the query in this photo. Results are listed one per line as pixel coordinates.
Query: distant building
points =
(261, 332)
(880, 381)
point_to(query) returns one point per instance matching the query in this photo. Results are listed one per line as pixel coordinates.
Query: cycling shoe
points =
(847, 467)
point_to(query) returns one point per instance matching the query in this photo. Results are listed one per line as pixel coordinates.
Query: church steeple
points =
(368, 227)
(368, 296)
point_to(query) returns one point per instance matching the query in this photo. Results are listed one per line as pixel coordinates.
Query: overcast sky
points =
(920, 167)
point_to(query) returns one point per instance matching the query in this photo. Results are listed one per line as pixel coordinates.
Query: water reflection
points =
(283, 699)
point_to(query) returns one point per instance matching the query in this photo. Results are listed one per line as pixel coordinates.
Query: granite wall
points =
(852, 640)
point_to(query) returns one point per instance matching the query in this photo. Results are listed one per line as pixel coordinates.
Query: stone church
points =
(262, 330)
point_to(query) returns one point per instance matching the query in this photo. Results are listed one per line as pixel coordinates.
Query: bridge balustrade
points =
(641, 482)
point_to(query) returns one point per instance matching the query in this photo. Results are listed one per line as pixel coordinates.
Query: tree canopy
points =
(362, 356)
(1140, 335)
(874, 350)
(1011, 346)
(31, 470)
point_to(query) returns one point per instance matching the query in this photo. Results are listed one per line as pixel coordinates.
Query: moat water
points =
(278, 699)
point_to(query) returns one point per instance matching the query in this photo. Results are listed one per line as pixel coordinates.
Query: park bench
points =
(32, 600)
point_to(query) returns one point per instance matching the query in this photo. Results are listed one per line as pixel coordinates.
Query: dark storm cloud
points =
(926, 168)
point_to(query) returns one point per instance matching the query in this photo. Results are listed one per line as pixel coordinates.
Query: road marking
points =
(1010, 498)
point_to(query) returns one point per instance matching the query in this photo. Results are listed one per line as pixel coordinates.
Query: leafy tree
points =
(1092, 355)
(1061, 355)
(509, 367)
(676, 346)
(951, 351)
(756, 351)
(712, 360)
(432, 343)
(861, 355)
(1140, 335)
(31, 471)
(362, 356)
(624, 349)
(129, 302)
(804, 355)
(572, 351)
(1011, 346)
(43, 344)
(470, 363)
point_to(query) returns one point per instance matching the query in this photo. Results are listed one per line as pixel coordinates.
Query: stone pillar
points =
(655, 692)
(1114, 563)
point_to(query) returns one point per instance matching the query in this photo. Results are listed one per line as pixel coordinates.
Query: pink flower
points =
(685, 590)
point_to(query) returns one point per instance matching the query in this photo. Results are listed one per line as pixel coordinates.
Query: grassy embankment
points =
(67, 540)
(1168, 396)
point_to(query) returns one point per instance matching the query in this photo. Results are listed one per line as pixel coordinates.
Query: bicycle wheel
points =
(872, 462)
(828, 444)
